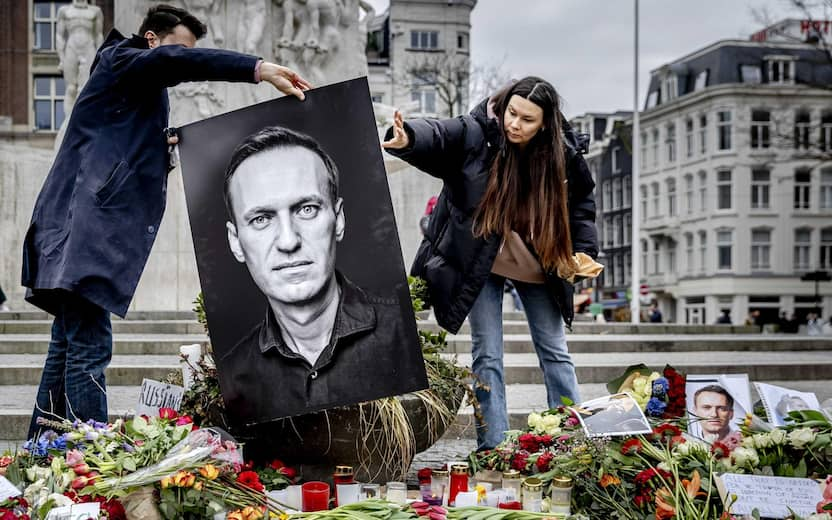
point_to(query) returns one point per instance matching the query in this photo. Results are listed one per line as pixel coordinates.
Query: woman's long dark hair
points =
(527, 190)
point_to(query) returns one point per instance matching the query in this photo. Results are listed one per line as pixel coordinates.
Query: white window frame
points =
(703, 251)
(825, 250)
(655, 147)
(690, 144)
(780, 69)
(628, 191)
(53, 98)
(724, 130)
(654, 192)
(802, 130)
(616, 162)
(724, 242)
(51, 20)
(802, 250)
(703, 134)
(689, 261)
(423, 39)
(423, 96)
(760, 129)
(760, 188)
(671, 197)
(670, 142)
(825, 202)
(760, 249)
(703, 191)
(644, 202)
(616, 193)
(724, 178)
(802, 200)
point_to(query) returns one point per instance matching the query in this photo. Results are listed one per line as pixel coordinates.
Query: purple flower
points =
(655, 407)
(660, 387)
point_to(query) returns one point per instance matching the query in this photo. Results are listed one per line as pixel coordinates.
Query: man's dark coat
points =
(453, 262)
(99, 210)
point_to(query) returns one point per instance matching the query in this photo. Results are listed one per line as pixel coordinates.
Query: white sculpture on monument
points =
(209, 12)
(78, 34)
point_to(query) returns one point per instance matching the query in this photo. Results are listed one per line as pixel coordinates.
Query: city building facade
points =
(736, 181)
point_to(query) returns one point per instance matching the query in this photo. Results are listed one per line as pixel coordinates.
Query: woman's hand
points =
(399, 139)
(284, 79)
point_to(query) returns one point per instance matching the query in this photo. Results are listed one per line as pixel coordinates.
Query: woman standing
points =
(516, 203)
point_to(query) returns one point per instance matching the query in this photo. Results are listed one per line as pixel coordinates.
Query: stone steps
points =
(123, 344)
(33, 314)
(119, 327)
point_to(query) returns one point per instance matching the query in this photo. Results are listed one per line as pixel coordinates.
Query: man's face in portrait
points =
(715, 413)
(286, 226)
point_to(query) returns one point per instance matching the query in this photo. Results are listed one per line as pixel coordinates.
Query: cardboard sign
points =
(155, 395)
(771, 496)
(7, 489)
(75, 512)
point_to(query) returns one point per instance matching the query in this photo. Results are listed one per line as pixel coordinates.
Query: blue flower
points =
(655, 407)
(58, 443)
(660, 387)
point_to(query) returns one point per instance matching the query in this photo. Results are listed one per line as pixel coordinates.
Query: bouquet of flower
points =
(659, 395)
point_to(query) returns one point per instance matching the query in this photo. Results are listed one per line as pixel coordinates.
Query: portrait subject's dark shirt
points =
(263, 379)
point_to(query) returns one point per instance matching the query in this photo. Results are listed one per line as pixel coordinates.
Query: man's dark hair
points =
(162, 19)
(273, 137)
(717, 390)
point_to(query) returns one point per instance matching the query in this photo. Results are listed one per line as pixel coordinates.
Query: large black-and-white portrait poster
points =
(298, 255)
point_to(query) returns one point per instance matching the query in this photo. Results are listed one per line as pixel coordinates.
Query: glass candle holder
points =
(512, 480)
(439, 484)
(370, 491)
(397, 492)
(315, 496)
(532, 494)
(295, 500)
(459, 482)
(466, 499)
(561, 495)
(342, 475)
(348, 493)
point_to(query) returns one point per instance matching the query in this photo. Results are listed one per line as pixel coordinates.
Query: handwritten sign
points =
(75, 512)
(771, 496)
(155, 395)
(7, 489)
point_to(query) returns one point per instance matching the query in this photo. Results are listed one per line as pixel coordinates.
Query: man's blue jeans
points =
(72, 383)
(547, 330)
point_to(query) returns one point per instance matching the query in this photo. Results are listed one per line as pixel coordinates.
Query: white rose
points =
(684, 449)
(551, 424)
(534, 420)
(801, 437)
(748, 442)
(745, 457)
(761, 440)
(778, 436)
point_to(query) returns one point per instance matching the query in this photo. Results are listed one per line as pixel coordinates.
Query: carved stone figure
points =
(209, 12)
(78, 33)
(251, 25)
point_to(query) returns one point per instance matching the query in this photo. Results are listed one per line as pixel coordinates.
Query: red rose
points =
(543, 461)
(276, 464)
(631, 446)
(8, 515)
(528, 442)
(288, 472)
(251, 480)
(168, 413)
(423, 475)
(544, 440)
(184, 419)
(520, 461)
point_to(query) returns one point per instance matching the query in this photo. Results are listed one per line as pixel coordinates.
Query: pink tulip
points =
(74, 457)
(81, 468)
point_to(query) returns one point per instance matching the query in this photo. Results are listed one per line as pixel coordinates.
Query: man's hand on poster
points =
(399, 139)
(284, 79)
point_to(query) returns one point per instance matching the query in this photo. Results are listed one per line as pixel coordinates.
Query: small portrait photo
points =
(612, 415)
(717, 405)
(299, 260)
(778, 401)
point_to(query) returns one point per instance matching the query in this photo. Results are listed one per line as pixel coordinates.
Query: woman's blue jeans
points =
(72, 385)
(547, 331)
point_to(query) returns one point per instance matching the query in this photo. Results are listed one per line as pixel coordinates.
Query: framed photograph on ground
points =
(612, 415)
(778, 401)
(716, 405)
(298, 256)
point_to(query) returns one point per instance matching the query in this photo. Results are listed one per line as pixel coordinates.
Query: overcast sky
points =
(585, 47)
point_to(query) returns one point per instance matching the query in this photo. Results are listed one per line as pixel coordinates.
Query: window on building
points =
(689, 138)
(426, 97)
(825, 141)
(825, 249)
(606, 196)
(689, 194)
(670, 143)
(424, 39)
(701, 80)
(671, 197)
(723, 189)
(628, 228)
(703, 134)
(703, 251)
(760, 188)
(703, 192)
(655, 146)
(616, 159)
(628, 191)
(617, 231)
(616, 193)
(628, 268)
(760, 248)
(751, 74)
(619, 270)
(49, 102)
(802, 248)
(652, 99)
(657, 265)
(656, 203)
(643, 192)
(802, 128)
(723, 128)
(644, 258)
(802, 189)
(689, 252)
(462, 41)
(642, 161)
(724, 243)
(826, 188)
(608, 232)
(760, 129)
(671, 258)
(780, 70)
(45, 17)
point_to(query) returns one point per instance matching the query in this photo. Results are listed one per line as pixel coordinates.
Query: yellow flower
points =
(198, 485)
(252, 513)
(209, 471)
(609, 480)
(167, 482)
(184, 479)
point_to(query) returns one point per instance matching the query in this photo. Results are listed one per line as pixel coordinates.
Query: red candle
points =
(459, 482)
(515, 504)
(315, 496)
(342, 475)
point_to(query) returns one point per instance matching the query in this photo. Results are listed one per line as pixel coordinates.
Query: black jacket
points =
(453, 262)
